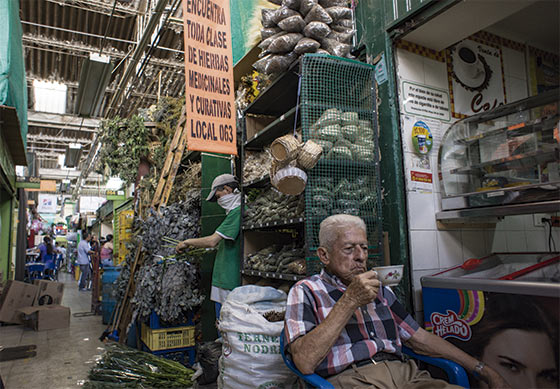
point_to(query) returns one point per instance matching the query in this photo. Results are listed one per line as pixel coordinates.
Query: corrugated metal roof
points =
(59, 34)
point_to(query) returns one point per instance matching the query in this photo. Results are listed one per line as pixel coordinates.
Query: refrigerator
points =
(502, 309)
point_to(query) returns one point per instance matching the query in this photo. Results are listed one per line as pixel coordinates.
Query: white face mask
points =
(230, 201)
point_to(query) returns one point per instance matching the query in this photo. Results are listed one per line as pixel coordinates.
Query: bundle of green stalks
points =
(124, 367)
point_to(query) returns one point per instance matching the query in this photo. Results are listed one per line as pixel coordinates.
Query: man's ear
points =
(323, 255)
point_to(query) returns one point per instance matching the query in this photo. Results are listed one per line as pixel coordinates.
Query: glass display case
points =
(506, 157)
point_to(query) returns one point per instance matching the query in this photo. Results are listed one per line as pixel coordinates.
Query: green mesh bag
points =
(338, 111)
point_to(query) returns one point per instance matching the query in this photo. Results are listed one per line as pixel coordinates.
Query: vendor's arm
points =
(209, 241)
(426, 343)
(310, 349)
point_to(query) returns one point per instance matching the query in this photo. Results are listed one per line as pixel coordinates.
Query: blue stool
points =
(34, 271)
(50, 272)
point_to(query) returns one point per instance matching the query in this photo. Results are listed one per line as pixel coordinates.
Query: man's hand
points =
(363, 289)
(182, 246)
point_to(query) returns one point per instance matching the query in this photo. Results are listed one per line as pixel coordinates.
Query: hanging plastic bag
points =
(268, 32)
(316, 30)
(251, 350)
(306, 6)
(284, 43)
(306, 45)
(292, 24)
(267, 15)
(318, 14)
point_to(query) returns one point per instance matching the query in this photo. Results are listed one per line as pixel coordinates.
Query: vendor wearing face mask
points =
(225, 277)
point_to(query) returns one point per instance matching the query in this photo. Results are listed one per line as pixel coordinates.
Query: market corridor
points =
(64, 356)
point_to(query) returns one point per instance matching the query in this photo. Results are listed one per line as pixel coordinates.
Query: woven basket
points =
(290, 180)
(275, 166)
(309, 154)
(285, 148)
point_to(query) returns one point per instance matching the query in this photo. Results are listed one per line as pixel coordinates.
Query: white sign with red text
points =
(450, 326)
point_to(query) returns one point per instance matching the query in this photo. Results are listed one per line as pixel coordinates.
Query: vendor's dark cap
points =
(221, 180)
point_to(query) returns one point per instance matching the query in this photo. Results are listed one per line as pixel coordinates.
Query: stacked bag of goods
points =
(273, 206)
(256, 166)
(250, 325)
(278, 259)
(351, 196)
(343, 135)
(304, 26)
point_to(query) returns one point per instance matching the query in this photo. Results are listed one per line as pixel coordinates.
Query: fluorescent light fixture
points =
(61, 160)
(49, 96)
(73, 153)
(94, 78)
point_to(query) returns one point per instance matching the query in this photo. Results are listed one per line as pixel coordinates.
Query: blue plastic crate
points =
(155, 324)
(107, 308)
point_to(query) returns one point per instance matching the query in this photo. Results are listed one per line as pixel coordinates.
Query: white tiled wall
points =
(431, 249)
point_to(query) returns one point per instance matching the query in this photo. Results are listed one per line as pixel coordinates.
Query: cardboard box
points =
(255, 124)
(50, 292)
(45, 317)
(16, 295)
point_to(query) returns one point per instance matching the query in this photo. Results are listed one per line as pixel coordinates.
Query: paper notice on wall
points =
(419, 173)
(425, 101)
(475, 78)
(209, 88)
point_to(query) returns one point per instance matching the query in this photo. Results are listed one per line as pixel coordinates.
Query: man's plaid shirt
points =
(377, 326)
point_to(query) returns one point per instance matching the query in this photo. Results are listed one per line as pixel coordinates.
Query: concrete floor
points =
(64, 356)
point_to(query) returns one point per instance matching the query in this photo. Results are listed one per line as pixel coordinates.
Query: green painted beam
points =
(6, 210)
(378, 28)
(28, 185)
(212, 216)
(371, 16)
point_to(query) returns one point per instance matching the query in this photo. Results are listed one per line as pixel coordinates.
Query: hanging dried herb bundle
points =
(170, 288)
(189, 178)
(177, 222)
(124, 142)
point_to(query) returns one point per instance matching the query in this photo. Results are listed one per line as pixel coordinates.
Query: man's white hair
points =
(329, 228)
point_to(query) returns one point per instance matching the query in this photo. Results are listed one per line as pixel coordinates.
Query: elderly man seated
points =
(343, 325)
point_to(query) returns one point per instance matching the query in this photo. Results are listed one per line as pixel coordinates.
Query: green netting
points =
(13, 88)
(338, 112)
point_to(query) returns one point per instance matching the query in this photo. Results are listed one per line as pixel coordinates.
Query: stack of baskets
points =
(291, 159)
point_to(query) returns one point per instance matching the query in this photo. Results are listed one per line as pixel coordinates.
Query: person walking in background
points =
(60, 252)
(46, 250)
(106, 255)
(84, 250)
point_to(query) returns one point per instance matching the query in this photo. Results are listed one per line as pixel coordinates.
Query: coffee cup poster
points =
(475, 78)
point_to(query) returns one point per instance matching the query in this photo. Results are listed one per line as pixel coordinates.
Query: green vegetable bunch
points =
(125, 367)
